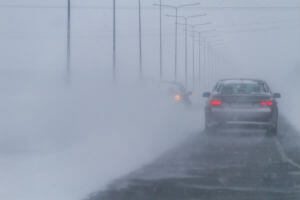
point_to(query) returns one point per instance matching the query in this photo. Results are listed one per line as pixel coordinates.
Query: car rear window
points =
(242, 88)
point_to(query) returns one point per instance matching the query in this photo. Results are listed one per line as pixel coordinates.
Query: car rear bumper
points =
(261, 117)
(247, 124)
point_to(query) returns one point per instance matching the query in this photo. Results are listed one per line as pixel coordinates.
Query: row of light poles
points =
(176, 8)
(114, 42)
(193, 32)
(201, 41)
(186, 23)
(186, 31)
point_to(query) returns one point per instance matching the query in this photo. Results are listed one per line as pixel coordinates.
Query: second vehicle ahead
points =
(177, 92)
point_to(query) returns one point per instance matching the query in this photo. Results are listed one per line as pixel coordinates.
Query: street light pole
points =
(160, 41)
(199, 57)
(204, 63)
(176, 31)
(140, 43)
(209, 64)
(114, 40)
(186, 53)
(68, 78)
(193, 39)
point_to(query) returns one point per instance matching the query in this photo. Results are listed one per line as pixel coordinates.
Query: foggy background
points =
(60, 141)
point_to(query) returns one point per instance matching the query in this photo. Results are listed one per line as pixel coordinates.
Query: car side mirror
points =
(206, 94)
(276, 95)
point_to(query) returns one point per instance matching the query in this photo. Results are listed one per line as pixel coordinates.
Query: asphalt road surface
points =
(231, 165)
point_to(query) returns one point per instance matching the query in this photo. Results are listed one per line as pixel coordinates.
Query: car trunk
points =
(242, 100)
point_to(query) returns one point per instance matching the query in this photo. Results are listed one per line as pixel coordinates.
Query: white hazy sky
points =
(255, 38)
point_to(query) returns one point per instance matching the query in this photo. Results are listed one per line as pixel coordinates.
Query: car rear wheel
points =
(272, 131)
(210, 129)
(210, 126)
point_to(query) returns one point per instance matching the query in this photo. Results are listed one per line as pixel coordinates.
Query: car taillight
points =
(267, 103)
(215, 103)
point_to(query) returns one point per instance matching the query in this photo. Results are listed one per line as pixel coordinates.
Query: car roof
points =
(241, 80)
(172, 83)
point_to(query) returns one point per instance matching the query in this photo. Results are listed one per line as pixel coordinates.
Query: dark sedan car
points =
(241, 102)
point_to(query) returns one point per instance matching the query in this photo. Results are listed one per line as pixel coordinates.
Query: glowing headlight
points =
(177, 97)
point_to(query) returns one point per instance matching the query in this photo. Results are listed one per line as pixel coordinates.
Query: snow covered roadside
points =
(64, 143)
